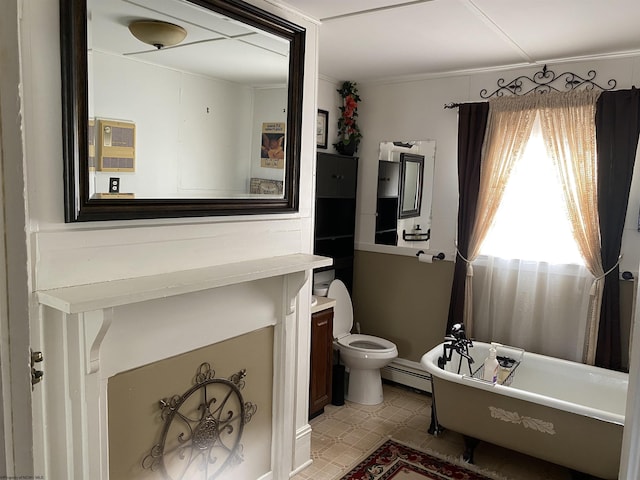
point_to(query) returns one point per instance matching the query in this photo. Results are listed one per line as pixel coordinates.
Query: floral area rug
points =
(392, 460)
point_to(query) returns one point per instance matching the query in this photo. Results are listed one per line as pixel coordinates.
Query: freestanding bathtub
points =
(560, 411)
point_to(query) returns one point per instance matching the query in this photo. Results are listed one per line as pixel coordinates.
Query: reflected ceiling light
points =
(157, 33)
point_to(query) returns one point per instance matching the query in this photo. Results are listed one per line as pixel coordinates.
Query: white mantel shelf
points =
(96, 296)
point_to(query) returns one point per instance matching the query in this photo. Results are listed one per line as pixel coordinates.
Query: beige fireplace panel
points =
(134, 413)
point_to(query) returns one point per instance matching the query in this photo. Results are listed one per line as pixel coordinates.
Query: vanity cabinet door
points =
(320, 376)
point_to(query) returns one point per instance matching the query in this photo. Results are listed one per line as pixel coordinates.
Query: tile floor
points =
(344, 435)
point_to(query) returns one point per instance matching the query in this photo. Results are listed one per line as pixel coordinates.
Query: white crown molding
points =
(288, 8)
(497, 68)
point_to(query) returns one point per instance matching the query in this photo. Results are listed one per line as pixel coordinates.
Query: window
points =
(531, 287)
(531, 222)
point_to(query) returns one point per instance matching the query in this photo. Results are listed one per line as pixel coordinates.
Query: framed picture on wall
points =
(272, 150)
(321, 128)
(115, 145)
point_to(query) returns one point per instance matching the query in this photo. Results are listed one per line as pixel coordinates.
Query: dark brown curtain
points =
(472, 122)
(617, 130)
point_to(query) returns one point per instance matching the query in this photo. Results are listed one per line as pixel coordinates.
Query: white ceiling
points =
(365, 40)
(215, 46)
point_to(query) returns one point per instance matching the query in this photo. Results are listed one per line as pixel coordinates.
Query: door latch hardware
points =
(36, 375)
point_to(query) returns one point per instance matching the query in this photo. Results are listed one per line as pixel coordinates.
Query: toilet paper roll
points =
(425, 258)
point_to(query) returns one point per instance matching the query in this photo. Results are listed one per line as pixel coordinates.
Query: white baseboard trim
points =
(266, 476)
(303, 431)
(301, 468)
(406, 372)
(302, 456)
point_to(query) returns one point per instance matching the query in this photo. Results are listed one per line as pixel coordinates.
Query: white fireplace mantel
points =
(80, 316)
(102, 295)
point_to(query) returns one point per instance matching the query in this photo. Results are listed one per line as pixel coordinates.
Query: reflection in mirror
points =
(403, 209)
(411, 172)
(207, 123)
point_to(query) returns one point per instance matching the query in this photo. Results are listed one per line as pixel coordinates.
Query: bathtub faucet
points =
(459, 343)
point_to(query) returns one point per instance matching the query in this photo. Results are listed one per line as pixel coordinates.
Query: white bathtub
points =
(564, 412)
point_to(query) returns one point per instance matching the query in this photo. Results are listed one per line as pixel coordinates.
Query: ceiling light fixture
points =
(157, 33)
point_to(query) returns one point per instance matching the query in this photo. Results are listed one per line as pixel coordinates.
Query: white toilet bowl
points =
(363, 355)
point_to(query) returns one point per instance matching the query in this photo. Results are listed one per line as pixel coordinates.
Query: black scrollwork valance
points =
(543, 81)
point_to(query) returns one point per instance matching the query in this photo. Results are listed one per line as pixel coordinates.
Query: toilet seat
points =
(366, 343)
(342, 311)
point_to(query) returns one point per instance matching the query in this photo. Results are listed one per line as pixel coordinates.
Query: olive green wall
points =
(397, 298)
(134, 413)
(407, 302)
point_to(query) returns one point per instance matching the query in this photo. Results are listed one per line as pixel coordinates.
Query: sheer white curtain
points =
(539, 306)
(568, 127)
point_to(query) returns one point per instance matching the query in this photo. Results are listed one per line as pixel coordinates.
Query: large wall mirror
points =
(177, 108)
(405, 186)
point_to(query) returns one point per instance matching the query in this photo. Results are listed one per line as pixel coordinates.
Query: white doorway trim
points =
(16, 454)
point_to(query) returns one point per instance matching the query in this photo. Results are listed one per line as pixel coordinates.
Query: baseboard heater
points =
(408, 373)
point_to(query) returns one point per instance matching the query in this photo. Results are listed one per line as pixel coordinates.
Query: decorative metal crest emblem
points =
(202, 428)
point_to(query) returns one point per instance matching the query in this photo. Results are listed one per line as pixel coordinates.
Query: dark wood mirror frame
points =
(78, 205)
(419, 160)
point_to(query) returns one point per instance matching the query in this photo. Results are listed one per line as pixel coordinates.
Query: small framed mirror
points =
(179, 108)
(411, 176)
(405, 186)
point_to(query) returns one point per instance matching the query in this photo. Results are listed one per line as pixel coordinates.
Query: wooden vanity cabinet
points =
(320, 376)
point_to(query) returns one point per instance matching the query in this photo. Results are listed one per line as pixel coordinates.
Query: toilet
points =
(363, 355)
